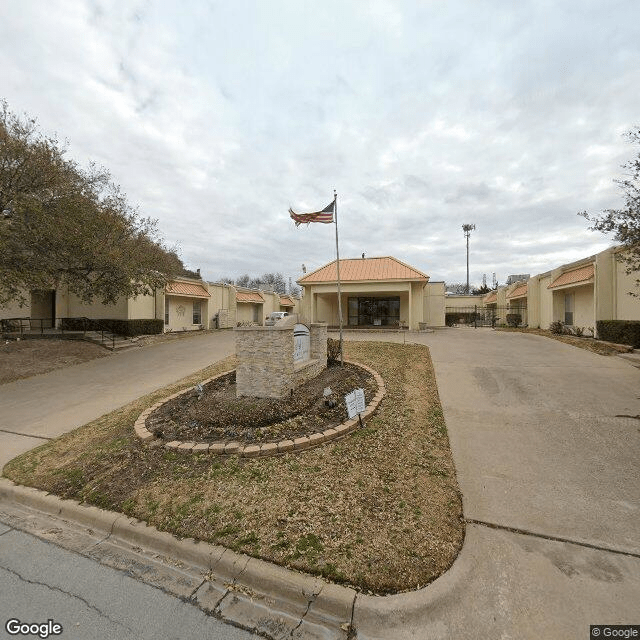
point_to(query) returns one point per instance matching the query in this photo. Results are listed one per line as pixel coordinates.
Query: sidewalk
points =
(53, 403)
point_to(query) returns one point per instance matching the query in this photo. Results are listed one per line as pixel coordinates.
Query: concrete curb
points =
(246, 591)
(261, 450)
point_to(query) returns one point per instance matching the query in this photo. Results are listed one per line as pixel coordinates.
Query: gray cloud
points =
(423, 116)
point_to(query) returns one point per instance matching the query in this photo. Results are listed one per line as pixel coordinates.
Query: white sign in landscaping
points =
(301, 343)
(355, 402)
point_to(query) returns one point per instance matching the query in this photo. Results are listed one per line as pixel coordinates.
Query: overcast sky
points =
(216, 117)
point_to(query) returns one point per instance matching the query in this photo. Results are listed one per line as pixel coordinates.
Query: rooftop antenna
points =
(304, 269)
(468, 228)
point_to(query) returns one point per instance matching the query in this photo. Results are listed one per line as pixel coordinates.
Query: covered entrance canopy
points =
(376, 292)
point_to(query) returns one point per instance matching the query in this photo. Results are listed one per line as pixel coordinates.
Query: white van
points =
(274, 316)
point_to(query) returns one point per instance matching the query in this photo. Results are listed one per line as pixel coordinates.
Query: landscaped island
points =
(379, 509)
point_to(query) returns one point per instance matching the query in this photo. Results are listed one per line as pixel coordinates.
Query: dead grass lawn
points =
(597, 346)
(26, 358)
(379, 510)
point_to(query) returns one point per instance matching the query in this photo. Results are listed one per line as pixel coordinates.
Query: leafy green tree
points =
(624, 223)
(62, 224)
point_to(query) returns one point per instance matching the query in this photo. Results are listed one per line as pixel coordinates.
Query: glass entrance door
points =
(374, 312)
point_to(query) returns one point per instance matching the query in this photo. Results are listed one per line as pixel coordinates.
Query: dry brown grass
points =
(25, 358)
(590, 344)
(380, 509)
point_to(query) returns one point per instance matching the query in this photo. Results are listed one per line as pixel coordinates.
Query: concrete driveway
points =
(45, 406)
(546, 451)
(550, 476)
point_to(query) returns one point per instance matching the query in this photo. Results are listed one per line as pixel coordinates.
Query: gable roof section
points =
(286, 301)
(519, 292)
(575, 276)
(249, 296)
(491, 297)
(364, 270)
(187, 289)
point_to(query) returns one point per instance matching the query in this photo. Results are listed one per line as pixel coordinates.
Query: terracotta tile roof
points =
(248, 296)
(573, 277)
(519, 292)
(187, 289)
(286, 301)
(491, 297)
(364, 269)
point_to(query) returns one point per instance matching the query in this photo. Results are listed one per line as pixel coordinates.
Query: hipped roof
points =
(575, 276)
(519, 292)
(364, 270)
(286, 301)
(248, 296)
(191, 290)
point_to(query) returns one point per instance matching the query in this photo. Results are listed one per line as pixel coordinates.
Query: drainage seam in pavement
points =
(26, 435)
(543, 536)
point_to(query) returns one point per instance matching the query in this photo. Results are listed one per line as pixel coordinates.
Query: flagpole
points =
(335, 211)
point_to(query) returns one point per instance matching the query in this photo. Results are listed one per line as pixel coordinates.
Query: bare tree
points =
(624, 223)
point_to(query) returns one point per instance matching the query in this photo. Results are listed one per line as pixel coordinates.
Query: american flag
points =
(325, 216)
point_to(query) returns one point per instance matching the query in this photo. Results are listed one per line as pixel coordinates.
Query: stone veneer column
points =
(318, 334)
(265, 360)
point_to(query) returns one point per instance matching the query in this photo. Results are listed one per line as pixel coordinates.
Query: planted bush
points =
(333, 352)
(557, 327)
(620, 331)
(514, 319)
(121, 327)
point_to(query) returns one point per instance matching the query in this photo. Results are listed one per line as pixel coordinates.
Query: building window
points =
(374, 311)
(568, 308)
(197, 314)
(166, 310)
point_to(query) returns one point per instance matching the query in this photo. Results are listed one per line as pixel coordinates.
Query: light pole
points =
(468, 228)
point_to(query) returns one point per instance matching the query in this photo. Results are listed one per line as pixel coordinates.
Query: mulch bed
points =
(215, 413)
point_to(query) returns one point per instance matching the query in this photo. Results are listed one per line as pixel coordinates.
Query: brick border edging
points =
(264, 450)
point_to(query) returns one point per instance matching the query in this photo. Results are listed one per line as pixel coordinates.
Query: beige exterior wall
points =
(605, 289)
(433, 304)
(459, 302)
(181, 313)
(14, 310)
(142, 308)
(627, 306)
(583, 305)
(71, 306)
(249, 312)
(546, 302)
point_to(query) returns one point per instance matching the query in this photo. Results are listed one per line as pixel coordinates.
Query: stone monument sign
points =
(301, 343)
(273, 361)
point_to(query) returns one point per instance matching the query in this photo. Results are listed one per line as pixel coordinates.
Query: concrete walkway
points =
(53, 403)
(546, 453)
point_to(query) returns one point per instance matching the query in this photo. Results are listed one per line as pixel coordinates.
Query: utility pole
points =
(468, 228)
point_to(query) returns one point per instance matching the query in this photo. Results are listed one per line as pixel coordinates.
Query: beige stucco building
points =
(185, 304)
(582, 292)
(375, 292)
(577, 294)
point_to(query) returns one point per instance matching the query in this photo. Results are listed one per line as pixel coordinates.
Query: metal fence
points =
(485, 316)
